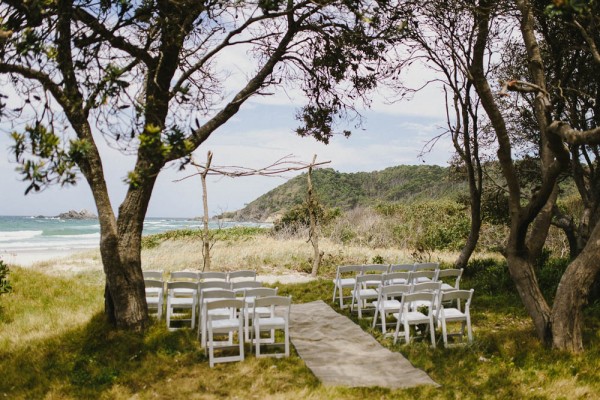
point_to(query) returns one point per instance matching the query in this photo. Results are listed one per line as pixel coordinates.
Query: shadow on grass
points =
(86, 361)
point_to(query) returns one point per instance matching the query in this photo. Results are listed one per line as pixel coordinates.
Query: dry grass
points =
(264, 253)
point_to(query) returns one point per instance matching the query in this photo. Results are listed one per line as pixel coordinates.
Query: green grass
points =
(55, 344)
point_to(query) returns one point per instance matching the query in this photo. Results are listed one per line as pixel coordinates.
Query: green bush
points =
(428, 225)
(5, 286)
(488, 276)
(298, 216)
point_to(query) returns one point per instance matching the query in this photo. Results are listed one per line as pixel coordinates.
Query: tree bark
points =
(312, 215)
(517, 254)
(206, 231)
(572, 296)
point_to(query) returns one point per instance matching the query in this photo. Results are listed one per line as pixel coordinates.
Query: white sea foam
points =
(18, 235)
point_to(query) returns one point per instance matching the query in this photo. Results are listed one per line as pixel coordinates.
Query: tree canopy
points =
(156, 78)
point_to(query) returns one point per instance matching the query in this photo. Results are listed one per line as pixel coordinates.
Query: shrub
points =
(298, 216)
(489, 276)
(5, 286)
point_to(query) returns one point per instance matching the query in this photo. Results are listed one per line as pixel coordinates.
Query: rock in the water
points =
(72, 214)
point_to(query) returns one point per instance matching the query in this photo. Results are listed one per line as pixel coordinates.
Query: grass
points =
(55, 344)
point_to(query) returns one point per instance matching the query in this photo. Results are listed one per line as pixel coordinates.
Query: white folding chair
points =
(181, 296)
(155, 296)
(231, 323)
(345, 278)
(388, 301)
(449, 312)
(450, 278)
(365, 289)
(407, 315)
(245, 275)
(250, 295)
(278, 318)
(206, 297)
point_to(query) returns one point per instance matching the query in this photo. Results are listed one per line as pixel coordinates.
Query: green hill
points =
(348, 190)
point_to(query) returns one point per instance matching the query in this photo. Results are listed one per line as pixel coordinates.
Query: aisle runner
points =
(340, 353)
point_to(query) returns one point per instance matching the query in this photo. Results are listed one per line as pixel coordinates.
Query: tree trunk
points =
(206, 232)
(572, 296)
(314, 229)
(124, 295)
(523, 275)
(472, 239)
(540, 227)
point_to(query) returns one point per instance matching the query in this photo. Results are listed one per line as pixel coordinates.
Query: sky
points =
(258, 135)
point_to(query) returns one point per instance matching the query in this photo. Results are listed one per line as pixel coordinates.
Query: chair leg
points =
(444, 332)
(241, 341)
(334, 291)
(432, 333)
(406, 332)
(257, 339)
(469, 329)
(287, 339)
(375, 317)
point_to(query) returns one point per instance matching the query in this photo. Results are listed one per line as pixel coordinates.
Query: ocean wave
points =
(39, 245)
(18, 235)
(77, 236)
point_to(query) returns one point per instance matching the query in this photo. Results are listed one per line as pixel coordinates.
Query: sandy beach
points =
(29, 258)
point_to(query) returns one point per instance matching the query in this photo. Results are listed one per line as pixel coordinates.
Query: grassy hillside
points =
(347, 190)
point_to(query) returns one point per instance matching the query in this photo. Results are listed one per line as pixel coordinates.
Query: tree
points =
(312, 206)
(144, 74)
(560, 323)
(441, 34)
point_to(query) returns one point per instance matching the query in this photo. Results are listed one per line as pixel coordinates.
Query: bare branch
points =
(275, 169)
(574, 136)
(590, 41)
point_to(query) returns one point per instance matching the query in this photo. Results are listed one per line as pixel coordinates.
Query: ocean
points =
(49, 234)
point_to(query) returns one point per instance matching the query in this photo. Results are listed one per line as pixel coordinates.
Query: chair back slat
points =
(402, 267)
(184, 276)
(246, 275)
(157, 275)
(375, 268)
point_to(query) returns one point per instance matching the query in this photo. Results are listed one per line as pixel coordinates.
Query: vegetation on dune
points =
(403, 183)
(233, 233)
(5, 286)
(65, 354)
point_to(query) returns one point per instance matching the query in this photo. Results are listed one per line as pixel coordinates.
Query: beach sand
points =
(30, 258)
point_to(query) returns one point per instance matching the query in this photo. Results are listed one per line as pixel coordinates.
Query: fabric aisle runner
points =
(340, 353)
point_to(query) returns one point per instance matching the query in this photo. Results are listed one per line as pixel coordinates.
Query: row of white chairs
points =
(347, 275)
(228, 315)
(416, 304)
(180, 293)
(197, 298)
(199, 276)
